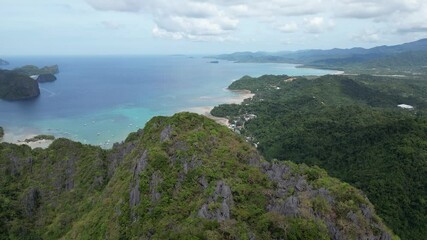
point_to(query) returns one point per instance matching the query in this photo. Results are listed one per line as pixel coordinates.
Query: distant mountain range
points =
(408, 58)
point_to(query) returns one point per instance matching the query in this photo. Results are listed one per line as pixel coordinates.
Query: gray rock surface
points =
(222, 198)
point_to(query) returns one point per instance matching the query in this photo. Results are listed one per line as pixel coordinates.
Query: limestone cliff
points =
(15, 86)
(180, 177)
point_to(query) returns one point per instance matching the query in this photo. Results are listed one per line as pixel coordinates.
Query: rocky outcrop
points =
(156, 180)
(296, 197)
(218, 206)
(14, 86)
(31, 201)
(46, 78)
(140, 165)
(166, 134)
(201, 180)
(1, 133)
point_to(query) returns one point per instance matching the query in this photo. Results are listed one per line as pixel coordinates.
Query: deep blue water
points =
(99, 100)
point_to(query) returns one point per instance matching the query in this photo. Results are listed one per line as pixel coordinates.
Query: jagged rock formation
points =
(14, 86)
(48, 77)
(1, 132)
(181, 177)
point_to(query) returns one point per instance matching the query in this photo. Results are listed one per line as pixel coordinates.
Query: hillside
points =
(405, 59)
(352, 127)
(14, 86)
(181, 177)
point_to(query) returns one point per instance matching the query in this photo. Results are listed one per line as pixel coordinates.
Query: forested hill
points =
(403, 59)
(183, 177)
(352, 127)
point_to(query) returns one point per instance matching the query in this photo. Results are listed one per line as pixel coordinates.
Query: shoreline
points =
(240, 96)
(19, 139)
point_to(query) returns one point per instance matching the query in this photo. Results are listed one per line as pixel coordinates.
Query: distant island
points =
(45, 78)
(23, 83)
(409, 59)
(40, 138)
(3, 62)
(44, 74)
(214, 62)
(31, 70)
(15, 86)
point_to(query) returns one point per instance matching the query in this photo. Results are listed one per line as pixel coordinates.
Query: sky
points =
(146, 27)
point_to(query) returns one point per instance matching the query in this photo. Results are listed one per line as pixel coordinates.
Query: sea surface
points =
(100, 100)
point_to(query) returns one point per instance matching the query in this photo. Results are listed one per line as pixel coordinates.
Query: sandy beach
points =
(240, 96)
(19, 139)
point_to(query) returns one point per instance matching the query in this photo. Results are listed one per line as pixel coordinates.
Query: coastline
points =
(238, 98)
(19, 139)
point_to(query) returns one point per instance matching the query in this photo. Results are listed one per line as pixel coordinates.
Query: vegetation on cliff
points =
(15, 86)
(30, 70)
(352, 127)
(181, 177)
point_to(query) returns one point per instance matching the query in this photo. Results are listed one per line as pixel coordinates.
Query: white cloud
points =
(288, 27)
(317, 24)
(218, 19)
(117, 5)
(111, 25)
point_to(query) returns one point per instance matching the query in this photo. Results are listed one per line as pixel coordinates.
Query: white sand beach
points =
(19, 139)
(240, 96)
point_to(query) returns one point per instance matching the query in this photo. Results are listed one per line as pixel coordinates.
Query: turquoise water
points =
(100, 100)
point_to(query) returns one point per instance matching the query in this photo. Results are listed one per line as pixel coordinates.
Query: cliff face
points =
(183, 176)
(14, 86)
(46, 78)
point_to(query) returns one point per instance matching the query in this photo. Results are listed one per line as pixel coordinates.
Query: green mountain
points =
(408, 58)
(15, 86)
(352, 127)
(181, 177)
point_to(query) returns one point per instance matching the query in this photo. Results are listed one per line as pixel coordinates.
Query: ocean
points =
(100, 100)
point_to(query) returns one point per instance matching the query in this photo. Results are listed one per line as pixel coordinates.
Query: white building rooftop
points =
(405, 106)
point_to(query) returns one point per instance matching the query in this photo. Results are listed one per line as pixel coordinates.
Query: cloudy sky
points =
(82, 27)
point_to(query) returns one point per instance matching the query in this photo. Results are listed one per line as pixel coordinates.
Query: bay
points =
(101, 99)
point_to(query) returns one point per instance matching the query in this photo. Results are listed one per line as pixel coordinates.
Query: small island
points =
(31, 70)
(40, 138)
(46, 78)
(214, 62)
(1, 133)
(42, 75)
(15, 86)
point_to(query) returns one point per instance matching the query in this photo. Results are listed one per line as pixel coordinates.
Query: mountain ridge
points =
(182, 176)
